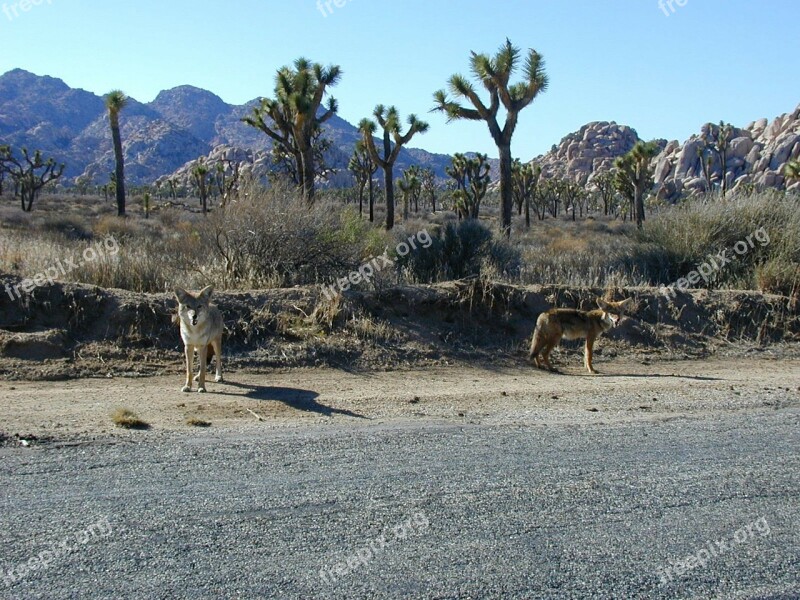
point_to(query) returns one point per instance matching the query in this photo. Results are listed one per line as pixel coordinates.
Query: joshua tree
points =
(706, 162)
(526, 180)
(549, 198)
(116, 101)
(428, 180)
(146, 204)
(29, 174)
(472, 181)
(494, 74)
(604, 184)
(363, 168)
(287, 166)
(227, 176)
(570, 193)
(389, 121)
(411, 186)
(717, 139)
(791, 170)
(291, 119)
(634, 176)
(202, 181)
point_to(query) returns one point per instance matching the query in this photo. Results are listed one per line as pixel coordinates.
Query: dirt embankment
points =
(68, 330)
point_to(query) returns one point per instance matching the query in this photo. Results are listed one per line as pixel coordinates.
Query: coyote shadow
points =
(302, 400)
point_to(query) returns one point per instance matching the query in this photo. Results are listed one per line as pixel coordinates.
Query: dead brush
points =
(127, 419)
(483, 292)
(329, 311)
(371, 329)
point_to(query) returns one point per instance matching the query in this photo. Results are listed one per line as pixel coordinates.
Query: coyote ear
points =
(626, 304)
(181, 295)
(205, 294)
(602, 303)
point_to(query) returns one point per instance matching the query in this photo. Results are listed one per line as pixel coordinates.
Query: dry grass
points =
(269, 239)
(197, 422)
(126, 419)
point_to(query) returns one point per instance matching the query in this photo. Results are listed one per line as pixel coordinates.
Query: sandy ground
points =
(626, 391)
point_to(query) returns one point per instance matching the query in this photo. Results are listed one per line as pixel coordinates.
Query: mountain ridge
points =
(164, 137)
(178, 126)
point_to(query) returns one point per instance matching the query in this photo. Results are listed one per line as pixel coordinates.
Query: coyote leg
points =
(189, 351)
(217, 345)
(587, 357)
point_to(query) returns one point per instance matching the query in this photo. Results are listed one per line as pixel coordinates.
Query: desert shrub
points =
(270, 238)
(71, 227)
(118, 227)
(691, 233)
(556, 251)
(455, 251)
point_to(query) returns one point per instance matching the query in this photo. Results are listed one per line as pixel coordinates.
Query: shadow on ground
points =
(302, 400)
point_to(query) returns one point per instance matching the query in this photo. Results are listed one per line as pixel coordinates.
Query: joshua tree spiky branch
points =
(717, 139)
(634, 176)
(494, 74)
(291, 119)
(791, 170)
(526, 180)
(411, 186)
(393, 140)
(363, 168)
(201, 177)
(29, 174)
(428, 179)
(472, 180)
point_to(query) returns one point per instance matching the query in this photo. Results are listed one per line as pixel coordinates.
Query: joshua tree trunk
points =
(388, 183)
(639, 205)
(506, 192)
(527, 212)
(119, 170)
(307, 159)
(371, 201)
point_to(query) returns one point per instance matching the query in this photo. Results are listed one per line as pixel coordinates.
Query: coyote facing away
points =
(573, 324)
(201, 330)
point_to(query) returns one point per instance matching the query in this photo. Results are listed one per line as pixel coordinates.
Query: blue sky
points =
(663, 72)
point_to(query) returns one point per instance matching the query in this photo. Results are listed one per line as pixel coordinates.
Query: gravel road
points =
(682, 504)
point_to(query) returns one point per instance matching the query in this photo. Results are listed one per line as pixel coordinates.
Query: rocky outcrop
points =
(251, 164)
(590, 150)
(757, 155)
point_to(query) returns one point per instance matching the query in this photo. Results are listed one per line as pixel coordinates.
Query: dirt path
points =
(627, 391)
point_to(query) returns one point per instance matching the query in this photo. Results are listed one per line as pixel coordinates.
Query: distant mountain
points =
(159, 138)
(164, 137)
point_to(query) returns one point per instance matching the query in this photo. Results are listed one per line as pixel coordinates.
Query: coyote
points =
(573, 324)
(201, 330)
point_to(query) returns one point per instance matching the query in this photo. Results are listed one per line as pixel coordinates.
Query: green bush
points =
(459, 250)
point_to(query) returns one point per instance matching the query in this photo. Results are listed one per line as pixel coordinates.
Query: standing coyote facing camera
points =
(201, 330)
(573, 324)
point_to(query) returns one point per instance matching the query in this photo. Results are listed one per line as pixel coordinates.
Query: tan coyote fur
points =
(201, 330)
(573, 324)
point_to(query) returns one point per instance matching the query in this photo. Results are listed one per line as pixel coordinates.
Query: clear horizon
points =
(662, 67)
